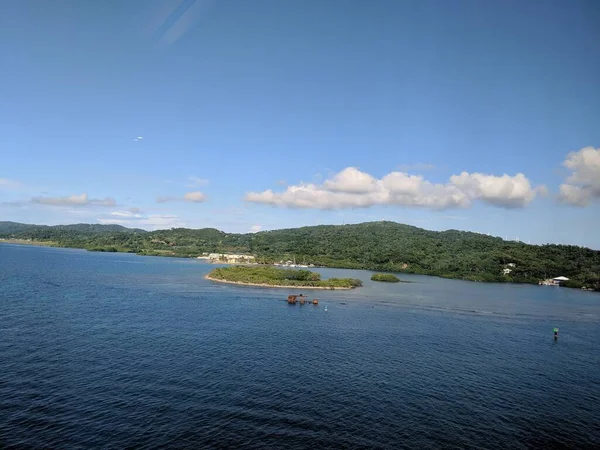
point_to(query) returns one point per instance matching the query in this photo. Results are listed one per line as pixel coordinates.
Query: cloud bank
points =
(352, 188)
(583, 185)
(192, 197)
(152, 221)
(74, 200)
(128, 213)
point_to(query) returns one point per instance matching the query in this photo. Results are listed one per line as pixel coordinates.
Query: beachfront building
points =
(553, 281)
(228, 258)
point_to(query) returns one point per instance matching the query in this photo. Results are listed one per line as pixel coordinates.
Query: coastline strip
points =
(26, 242)
(240, 283)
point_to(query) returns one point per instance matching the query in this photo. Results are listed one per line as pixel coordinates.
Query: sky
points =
(266, 114)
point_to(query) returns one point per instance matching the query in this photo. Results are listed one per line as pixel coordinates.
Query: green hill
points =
(16, 227)
(383, 246)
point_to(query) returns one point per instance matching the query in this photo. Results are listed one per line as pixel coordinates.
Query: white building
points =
(229, 258)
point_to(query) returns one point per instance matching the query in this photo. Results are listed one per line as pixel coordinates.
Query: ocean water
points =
(120, 351)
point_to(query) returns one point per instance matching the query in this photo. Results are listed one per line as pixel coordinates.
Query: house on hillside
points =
(508, 268)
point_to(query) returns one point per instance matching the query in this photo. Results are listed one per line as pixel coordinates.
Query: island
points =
(382, 246)
(268, 276)
(385, 277)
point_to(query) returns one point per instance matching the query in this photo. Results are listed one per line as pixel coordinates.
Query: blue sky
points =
(481, 116)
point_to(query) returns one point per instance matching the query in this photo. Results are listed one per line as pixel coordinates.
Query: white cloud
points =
(504, 191)
(81, 199)
(193, 197)
(255, 228)
(352, 188)
(139, 138)
(583, 185)
(74, 200)
(153, 222)
(352, 181)
(125, 214)
(414, 190)
(574, 195)
(196, 182)
(103, 202)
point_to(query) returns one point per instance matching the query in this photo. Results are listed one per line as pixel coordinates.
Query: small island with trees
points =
(385, 277)
(275, 277)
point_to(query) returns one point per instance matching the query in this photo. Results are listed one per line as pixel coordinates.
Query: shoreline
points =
(53, 244)
(26, 242)
(241, 283)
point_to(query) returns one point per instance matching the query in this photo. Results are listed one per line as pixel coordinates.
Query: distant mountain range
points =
(16, 227)
(386, 246)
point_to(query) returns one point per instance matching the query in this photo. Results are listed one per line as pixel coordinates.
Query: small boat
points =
(293, 299)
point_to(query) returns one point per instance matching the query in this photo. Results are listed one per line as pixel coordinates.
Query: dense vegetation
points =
(385, 277)
(273, 276)
(384, 246)
(16, 227)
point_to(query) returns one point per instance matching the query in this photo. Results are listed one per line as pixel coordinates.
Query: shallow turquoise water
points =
(121, 351)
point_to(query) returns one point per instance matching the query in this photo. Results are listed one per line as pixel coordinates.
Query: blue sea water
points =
(120, 351)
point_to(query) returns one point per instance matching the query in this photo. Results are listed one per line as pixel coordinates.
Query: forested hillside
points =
(16, 227)
(386, 246)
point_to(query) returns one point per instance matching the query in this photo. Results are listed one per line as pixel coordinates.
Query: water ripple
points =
(107, 351)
